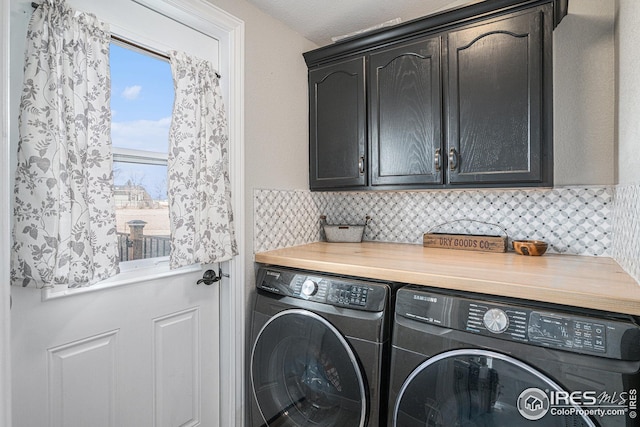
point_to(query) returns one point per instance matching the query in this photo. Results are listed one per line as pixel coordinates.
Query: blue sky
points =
(141, 105)
(141, 85)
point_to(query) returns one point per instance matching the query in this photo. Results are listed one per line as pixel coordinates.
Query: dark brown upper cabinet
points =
(462, 98)
(337, 125)
(405, 114)
(499, 90)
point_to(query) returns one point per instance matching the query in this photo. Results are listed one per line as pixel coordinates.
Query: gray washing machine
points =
(320, 350)
(464, 360)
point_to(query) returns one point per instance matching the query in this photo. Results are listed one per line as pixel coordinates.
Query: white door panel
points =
(137, 355)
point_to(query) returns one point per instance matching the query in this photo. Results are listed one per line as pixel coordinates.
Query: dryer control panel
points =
(317, 287)
(571, 329)
(545, 328)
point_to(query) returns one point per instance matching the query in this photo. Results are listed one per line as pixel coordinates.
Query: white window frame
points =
(128, 155)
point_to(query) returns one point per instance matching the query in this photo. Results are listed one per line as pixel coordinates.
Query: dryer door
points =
(479, 388)
(304, 373)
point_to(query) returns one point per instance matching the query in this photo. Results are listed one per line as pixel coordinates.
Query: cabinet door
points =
(337, 125)
(499, 77)
(405, 122)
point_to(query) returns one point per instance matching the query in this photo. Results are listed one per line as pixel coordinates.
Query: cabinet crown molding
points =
(440, 21)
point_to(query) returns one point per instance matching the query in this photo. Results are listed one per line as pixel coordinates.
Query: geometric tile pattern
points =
(284, 218)
(626, 229)
(573, 220)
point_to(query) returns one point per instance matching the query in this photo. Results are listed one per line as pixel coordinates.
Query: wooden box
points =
(468, 242)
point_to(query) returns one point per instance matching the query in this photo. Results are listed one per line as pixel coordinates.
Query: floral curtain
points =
(202, 228)
(65, 229)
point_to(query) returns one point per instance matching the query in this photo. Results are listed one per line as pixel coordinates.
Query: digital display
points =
(562, 332)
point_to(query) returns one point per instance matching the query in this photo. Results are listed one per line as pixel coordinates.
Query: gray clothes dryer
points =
(465, 360)
(319, 350)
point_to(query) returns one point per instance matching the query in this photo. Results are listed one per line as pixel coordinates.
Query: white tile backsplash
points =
(574, 220)
(626, 229)
(285, 218)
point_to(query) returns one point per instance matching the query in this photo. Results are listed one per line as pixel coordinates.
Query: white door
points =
(144, 350)
(143, 354)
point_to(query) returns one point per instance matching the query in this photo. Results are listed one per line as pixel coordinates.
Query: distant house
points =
(132, 196)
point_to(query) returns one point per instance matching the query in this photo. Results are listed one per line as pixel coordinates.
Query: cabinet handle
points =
(361, 165)
(438, 161)
(453, 159)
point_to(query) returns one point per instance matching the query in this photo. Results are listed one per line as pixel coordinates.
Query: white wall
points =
(627, 200)
(628, 91)
(584, 95)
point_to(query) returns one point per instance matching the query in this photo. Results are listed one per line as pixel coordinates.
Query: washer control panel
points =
(333, 290)
(608, 335)
(348, 294)
(567, 332)
(544, 328)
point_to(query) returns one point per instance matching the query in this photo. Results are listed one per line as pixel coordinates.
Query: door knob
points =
(209, 278)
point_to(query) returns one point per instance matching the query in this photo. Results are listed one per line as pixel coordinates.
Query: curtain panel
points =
(201, 218)
(65, 228)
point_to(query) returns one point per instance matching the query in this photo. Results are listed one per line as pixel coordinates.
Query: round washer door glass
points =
(478, 388)
(304, 373)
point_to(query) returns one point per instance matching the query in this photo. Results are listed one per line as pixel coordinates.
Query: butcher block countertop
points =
(580, 281)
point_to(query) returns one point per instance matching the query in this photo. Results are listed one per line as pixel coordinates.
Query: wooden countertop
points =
(580, 281)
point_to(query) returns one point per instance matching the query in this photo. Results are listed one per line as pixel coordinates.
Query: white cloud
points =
(152, 135)
(131, 92)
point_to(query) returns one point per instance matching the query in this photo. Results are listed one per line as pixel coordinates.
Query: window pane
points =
(141, 100)
(142, 210)
(152, 179)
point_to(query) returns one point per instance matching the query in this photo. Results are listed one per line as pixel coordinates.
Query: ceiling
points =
(319, 20)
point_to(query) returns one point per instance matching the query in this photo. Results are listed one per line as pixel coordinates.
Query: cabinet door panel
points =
(406, 113)
(337, 125)
(495, 101)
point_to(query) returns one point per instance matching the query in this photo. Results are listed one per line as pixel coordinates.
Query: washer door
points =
(478, 388)
(304, 373)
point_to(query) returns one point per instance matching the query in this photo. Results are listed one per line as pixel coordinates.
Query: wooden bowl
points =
(530, 247)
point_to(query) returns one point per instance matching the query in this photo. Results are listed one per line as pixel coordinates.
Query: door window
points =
(141, 106)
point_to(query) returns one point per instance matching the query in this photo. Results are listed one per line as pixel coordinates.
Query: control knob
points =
(496, 320)
(309, 288)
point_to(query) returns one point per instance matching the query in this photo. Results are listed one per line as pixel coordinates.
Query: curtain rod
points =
(129, 43)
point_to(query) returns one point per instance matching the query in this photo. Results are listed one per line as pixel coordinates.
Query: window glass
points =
(141, 100)
(141, 106)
